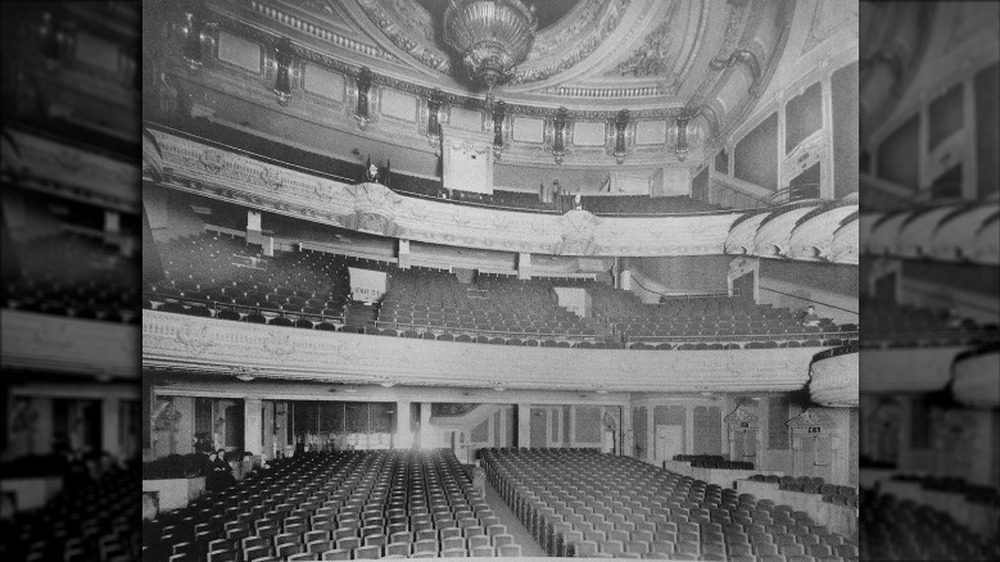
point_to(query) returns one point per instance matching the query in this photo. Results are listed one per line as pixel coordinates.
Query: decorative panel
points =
(399, 105)
(467, 119)
(528, 129)
(324, 83)
(650, 132)
(239, 52)
(589, 133)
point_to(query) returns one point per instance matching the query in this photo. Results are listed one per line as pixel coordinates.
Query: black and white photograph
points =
(500, 278)
(930, 281)
(357, 279)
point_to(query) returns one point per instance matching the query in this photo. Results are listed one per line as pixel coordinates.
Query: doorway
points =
(669, 441)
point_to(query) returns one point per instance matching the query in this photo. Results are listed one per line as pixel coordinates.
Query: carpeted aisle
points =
(521, 535)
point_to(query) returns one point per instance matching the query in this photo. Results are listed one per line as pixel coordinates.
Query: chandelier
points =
(491, 36)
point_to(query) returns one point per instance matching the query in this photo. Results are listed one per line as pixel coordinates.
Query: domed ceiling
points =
(635, 54)
(688, 72)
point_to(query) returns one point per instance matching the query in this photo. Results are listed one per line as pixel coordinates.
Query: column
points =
(403, 257)
(111, 425)
(627, 438)
(427, 440)
(524, 426)
(404, 437)
(523, 265)
(253, 438)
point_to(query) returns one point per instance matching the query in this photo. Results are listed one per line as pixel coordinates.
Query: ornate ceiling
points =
(687, 71)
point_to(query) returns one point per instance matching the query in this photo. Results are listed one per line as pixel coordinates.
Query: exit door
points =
(669, 442)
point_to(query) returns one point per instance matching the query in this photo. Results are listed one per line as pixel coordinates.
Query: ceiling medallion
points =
(491, 36)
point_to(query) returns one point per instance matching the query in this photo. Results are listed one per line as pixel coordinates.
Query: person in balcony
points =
(809, 317)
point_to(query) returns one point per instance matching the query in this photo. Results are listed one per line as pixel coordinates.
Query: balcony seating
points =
(98, 521)
(75, 275)
(222, 277)
(638, 205)
(902, 530)
(713, 461)
(579, 502)
(498, 308)
(337, 506)
(888, 324)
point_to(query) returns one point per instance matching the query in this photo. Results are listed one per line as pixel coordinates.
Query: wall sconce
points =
(559, 134)
(620, 147)
(282, 80)
(197, 34)
(363, 112)
(498, 113)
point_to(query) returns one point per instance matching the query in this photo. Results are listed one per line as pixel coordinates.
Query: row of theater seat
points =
(586, 504)
(889, 324)
(337, 506)
(891, 529)
(222, 277)
(634, 205)
(71, 274)
(98, 521)
(713, 461)
(974, 493)
(832, 493)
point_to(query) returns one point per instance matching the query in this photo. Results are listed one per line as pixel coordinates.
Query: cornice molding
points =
(222, 174)
(204, 345)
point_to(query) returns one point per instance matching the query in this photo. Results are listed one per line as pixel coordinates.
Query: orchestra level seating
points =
(95, 522)
(337, 506)
(893, 529)
(580, 502)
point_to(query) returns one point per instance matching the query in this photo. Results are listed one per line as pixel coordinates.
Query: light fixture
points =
(492, 37)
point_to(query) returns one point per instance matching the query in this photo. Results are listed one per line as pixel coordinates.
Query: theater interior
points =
(590, 288)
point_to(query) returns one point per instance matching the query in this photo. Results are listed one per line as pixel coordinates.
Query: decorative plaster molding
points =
(346, 357)
(49, 161)
(976, 380)
(834, 381)
(67, 345)
(198, 168)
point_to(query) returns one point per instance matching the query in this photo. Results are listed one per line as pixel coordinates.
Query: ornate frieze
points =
(195, 167)
(67, 345)
(340, 356)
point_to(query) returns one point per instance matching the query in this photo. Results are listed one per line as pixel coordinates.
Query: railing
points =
(844, 336)
(935, 338)
(216, 307)
(437, 330)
